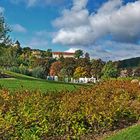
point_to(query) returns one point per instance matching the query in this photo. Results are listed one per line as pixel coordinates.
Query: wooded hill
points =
(129, 63)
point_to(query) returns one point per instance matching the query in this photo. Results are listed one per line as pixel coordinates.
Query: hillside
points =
(23, 82)
(130, 63)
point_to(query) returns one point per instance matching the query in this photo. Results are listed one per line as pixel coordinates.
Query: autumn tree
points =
(84, 62)
(80, 72)
(55, 68)
(45, 63)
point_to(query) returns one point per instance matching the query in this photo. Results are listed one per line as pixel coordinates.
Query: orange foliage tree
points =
(55, 68)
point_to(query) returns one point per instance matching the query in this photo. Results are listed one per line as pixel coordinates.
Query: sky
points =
(106, 29)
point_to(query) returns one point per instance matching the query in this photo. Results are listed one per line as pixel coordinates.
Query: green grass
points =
(23, 82)
(131, 133)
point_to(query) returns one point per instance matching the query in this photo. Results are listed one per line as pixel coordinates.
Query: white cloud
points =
(72, 18)
(78, 27)
(112, 33)
(75, 17)
(79, 5)
(122, 24)
(110, 6)
(2, 9)
(75, 36)
(19, 28)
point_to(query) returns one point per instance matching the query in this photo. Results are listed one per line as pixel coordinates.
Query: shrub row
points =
(37, 72)
(69, 115)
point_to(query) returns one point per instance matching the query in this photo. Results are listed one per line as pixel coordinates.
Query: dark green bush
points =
(15, 69)
(21, 69)
(38, 72)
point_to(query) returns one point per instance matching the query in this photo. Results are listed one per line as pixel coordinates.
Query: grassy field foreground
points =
(105, 107)
(23, 82)
(131, 133)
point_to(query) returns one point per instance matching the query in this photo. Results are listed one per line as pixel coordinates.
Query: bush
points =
(24, 70)
(107, 106)
(15, 69)
(21, 69)
(38, 72)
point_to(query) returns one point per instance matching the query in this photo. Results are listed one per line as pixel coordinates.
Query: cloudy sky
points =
(107, 29)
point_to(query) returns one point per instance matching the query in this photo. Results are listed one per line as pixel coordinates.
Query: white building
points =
(86, 80)
(64, 54)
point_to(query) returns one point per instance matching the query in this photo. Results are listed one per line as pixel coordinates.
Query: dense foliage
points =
(103, 107)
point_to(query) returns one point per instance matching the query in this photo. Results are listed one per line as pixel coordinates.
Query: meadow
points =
(23, 82)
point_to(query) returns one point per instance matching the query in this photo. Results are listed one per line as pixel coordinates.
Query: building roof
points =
(62, 53)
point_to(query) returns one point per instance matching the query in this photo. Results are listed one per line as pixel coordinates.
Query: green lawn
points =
(22, 82)
(131, 133)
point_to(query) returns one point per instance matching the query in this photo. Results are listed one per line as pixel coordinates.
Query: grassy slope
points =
(20, 82)
(131, 133)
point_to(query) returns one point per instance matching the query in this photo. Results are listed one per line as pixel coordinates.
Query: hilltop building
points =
(64, 54)
(36, 53)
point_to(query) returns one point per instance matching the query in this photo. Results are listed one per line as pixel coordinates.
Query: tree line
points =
(41, 64)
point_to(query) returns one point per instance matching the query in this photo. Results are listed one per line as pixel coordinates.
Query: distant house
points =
(64, 54)
(36, 53)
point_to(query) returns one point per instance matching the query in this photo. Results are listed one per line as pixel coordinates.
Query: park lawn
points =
(23, 82)
(131, 133)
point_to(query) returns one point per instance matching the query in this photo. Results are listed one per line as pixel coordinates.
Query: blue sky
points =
(107, 29)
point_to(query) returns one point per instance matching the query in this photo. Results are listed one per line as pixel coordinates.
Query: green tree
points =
(38, 72)
(78, 54)
(26, 52)
(87, 56)
(4, 30)
(69, 65)
(96, 67)
(110, 70)
(49, 53)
